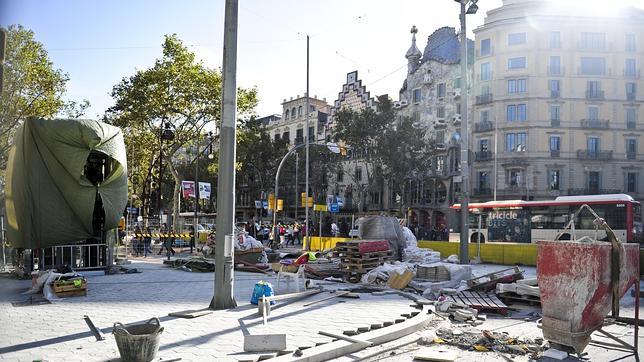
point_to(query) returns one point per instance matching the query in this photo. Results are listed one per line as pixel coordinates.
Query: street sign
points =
(318, 207)
(334, 208)
(339, 201)
(132, 210)
(258, 204)
(264, 204)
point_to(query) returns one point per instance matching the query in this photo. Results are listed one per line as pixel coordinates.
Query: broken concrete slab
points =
(555, 354)
(264, 342)
(436, 355)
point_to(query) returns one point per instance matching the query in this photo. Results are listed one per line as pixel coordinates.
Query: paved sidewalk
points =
(57, 332)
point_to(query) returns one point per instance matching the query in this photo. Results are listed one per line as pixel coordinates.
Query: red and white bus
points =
(529, 221)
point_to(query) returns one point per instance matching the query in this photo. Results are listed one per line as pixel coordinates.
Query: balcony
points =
(630, 96)
(592, 191)
(555, 153)
(555, 123)
(555, 94)
(595, 95)
(483, 126)
(594, 155)
(484, 99)
(632, 73)
(631, 155)
(594, 123)
(552, 71)
(482, 191)
(483, 155)
(440, 123)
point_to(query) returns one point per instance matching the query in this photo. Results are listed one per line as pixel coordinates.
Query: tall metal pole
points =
(195, 229)
(496, 151)
(465, 169)
(307, 140)
(224, 298)
(297, 165)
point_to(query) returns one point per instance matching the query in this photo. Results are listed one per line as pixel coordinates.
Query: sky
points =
(100, 42)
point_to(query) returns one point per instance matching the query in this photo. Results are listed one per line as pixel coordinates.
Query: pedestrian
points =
(147, 241)
(296, 233)
(163, 231)
(334, 229)
(136, 241)
(168, 244)
(289, 235)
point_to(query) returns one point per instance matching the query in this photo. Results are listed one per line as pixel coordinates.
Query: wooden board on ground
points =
(399, 281)
(190, 313)
(480, 301)
(510, 297)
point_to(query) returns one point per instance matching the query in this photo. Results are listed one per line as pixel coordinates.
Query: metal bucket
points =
(576, 288)
(138, 342)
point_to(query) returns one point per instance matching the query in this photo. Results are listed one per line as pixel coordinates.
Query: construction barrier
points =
(167, 235)
(325, 242)
(496, 253)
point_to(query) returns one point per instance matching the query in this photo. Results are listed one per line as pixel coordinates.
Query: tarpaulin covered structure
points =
(63, 175)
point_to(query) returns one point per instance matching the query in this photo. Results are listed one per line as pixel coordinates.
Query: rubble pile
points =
(473, 339)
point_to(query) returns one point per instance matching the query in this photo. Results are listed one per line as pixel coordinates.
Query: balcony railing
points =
(632, 73)
(555, 70)
(483, 126)
(555, 94)
(594, 155)
(595, 123)
(555, 153)
(555, 123)
(595, 94)
(483, 155)
(484, 98)
(482, 191)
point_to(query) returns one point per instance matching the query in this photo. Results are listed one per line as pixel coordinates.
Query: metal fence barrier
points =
(78, 256)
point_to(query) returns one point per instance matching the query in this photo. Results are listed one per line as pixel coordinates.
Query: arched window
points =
(299, 111)
(287, 113)
(293, 112)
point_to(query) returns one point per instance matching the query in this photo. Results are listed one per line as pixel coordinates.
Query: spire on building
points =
(413, 54)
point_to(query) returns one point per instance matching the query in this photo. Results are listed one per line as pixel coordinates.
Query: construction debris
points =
(473, 339)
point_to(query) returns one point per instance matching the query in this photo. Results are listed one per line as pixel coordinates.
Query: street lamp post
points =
(467, 7)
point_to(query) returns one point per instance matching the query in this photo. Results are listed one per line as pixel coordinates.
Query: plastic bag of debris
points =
(414, 254)
(377, 227)
(381, 274)
(458, 274)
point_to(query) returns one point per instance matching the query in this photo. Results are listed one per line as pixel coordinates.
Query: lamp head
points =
(472, 9)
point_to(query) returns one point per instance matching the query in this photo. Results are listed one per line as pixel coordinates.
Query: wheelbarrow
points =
(580, 282)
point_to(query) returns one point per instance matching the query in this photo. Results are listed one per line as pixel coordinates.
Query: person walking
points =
(147, 241)
(296, 234)
(163, 230)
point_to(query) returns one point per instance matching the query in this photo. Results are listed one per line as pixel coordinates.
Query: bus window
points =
(614, 214)
(549, 217)
(637, 212)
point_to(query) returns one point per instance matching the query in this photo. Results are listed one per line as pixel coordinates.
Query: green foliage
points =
(178, 91)
(32, 87)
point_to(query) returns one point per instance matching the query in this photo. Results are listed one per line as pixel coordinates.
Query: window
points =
(458, 108)
(593, 182)
(517, 63)
(486, 71)
(515, 142)
(358, 173)
(299, 111)
(293, 113)
(440, 112)
(593, 41)
(484, 145)
(516, 86)
(277, 137)
(629, 67)
(484, 181)
(311, 134)
(440, 163)
(486, 48)
(555, 113)
(555, 39)
(516, 38)
(555, 143)
(630, 90)
(631, 148)
(630, 43)
(457, 83)
(554, 66)
(593, 145)
(593, 66)
(631, 118)
(554, 179)
(286, 136)
(515, 177)
(299, 136)
(516, 112)
(595, 89)
(311, 108)
(593, 112)
(416, 95)
(340, 176)
(485, 116)
(440, 90)
(553, 84)
(287, 113)
(631, 182)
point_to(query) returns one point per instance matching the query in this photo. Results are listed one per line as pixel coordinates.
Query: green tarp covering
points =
(49, 199)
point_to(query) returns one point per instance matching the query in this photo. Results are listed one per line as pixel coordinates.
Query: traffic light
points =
(271, 201)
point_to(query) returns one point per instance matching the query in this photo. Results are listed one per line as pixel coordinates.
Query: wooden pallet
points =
(363, 246)
(480, 301)
(371, 255)
(489, 281)
(513, 297)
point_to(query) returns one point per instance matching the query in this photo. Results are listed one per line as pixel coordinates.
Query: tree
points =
(32, 87)
(364, 132)
(178, 91)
